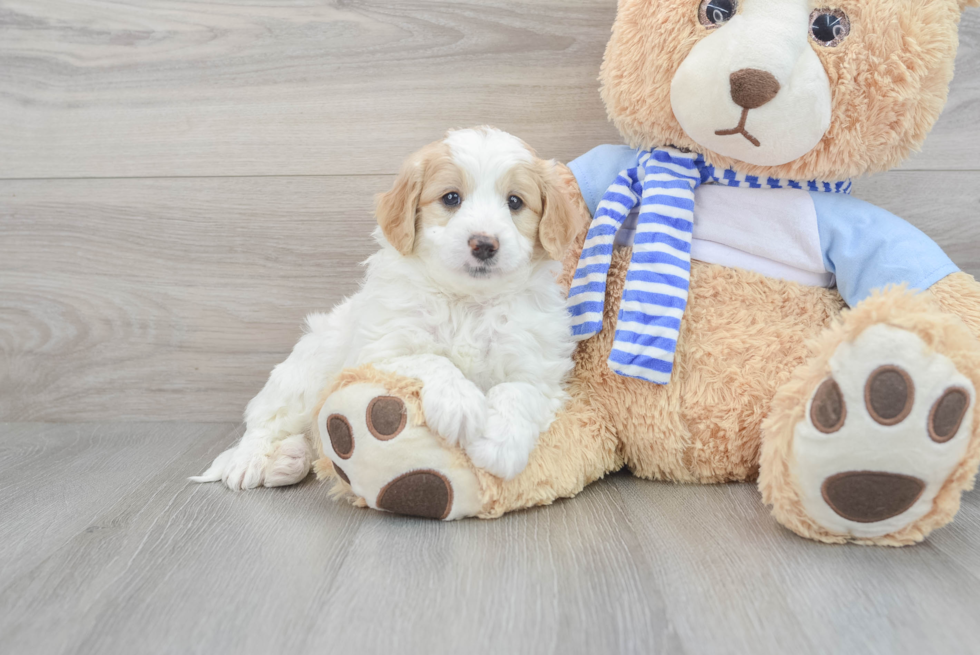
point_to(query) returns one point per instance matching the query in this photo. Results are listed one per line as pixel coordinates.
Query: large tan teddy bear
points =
(781, 331)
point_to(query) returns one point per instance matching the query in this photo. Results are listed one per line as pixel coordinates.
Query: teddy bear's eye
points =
(829, 27)
(713, 13)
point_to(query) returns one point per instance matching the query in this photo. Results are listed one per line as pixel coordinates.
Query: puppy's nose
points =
(752, 88)
(483, 246)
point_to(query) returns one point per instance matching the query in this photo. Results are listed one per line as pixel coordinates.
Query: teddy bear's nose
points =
(753, 88)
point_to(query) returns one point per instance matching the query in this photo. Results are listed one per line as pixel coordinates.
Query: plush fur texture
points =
(889, 81)
(752, 350)
(705, 426)
(959, 294)
(408, 389)
(489, 335)
(753, 88)
(577, 450)
(943, 333)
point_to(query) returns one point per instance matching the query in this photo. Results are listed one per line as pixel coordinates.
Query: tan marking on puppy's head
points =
(561, 221)
(479, 208)
(442, 177)
(398, 210)
(548, 216)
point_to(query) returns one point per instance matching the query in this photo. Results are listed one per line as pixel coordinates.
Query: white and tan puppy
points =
(462, 295)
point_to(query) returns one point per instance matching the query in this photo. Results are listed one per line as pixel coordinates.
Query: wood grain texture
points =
(164, 566)
(164, 88)
(171, 299)
(767, 591)
(170, 88)
(117, 553)
(181, 183)
(167, 299)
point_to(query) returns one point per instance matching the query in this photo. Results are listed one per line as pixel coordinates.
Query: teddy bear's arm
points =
(870, 249)
(959, 294)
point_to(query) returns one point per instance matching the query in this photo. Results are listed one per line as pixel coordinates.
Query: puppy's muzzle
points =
(483, 246)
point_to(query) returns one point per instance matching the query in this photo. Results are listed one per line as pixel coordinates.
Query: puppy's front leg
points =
(454, 407)
(517, 413)
(275, 451)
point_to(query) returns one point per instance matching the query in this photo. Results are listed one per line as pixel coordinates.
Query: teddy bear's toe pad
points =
(889, 394)
(882, 434)
(420, 493)
(340, 473)
(384, 451)
(870, 496)
(341, 435)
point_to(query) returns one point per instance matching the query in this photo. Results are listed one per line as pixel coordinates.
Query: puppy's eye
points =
(829, 27)
(451, 199)
(515, 203)
(714, 13)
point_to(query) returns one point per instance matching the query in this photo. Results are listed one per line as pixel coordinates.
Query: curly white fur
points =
(491, 343)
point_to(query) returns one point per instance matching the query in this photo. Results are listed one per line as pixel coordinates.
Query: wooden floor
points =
(180, 182)
(106, 548)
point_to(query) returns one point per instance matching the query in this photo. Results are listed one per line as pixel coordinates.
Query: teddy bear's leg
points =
(372, 436)
(959, 294)
(372, 433)
(874, 438)
(579, 448)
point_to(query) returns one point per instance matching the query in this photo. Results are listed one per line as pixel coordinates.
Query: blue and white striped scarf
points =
(658, 278)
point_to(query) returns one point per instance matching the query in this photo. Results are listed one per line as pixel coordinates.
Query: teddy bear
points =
(740, 316)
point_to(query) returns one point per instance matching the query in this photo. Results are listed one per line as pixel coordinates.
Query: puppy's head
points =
(479, 205)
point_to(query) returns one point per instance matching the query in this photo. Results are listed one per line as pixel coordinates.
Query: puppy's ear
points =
(561, 220)
(396, 209)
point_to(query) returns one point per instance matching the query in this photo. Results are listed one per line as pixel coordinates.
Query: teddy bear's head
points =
(786, 88)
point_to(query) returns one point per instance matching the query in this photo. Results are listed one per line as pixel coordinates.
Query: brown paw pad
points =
(340, 473)
(870, 496)
(341, 435)
(386, 417)
(947, 414)
(828, 410)
(426, 494)
(889, 394)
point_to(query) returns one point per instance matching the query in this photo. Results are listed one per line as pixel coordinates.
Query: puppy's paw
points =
(256, 463)
(290, 462)
(506, 446)
(455, 408)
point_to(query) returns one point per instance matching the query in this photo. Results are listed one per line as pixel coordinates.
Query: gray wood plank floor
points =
(108, 549)
(180, 183)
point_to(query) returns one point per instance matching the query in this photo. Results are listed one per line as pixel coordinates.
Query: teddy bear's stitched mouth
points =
(740, 129)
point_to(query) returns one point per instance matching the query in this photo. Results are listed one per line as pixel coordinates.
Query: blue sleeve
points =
(868, 248)
(597, 169)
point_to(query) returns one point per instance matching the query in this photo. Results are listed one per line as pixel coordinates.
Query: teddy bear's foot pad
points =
(420, 493)
(379, 445)
(870, 496)
(882, 434)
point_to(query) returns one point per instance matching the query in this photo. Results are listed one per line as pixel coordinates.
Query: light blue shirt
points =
(864, 246)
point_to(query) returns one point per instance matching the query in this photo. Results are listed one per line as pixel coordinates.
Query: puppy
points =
(462, 296)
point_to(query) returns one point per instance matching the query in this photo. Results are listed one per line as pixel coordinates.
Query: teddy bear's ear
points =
(968, 3)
